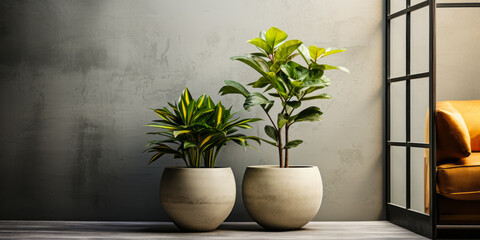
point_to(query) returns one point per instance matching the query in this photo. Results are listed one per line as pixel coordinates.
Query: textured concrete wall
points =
(77, 79)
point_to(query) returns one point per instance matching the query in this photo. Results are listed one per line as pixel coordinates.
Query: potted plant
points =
(200, 196)
(283, 197)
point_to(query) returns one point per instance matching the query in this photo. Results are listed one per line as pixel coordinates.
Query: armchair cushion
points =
(453, 138)
(460, 180)
(470, 111)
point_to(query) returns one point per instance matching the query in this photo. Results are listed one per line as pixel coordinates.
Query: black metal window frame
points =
(403, 215)
(458, 5)
(420, 223)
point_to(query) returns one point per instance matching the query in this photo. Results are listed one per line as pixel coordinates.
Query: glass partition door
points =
(410, 104)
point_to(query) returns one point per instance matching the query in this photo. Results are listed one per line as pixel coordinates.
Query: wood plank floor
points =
(162, 230)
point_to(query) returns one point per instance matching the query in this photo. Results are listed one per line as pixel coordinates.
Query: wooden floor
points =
(162, 230)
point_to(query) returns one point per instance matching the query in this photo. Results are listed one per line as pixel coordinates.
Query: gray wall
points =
(77, 79)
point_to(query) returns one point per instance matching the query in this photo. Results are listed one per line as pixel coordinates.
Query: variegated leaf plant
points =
(197, 129)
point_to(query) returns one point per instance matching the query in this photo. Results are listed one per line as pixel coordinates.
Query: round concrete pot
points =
(197, 199)
(282, 198)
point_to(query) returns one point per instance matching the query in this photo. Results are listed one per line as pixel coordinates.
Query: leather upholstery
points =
(460, 180)
(458, 149)
(470, 111)
(453, 138)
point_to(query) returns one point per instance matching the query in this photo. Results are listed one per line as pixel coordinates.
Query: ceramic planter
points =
(282, 198)
(197, 199)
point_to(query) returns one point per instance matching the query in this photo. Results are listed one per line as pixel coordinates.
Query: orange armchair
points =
(458, 162)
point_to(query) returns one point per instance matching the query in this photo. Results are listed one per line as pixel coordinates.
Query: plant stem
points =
(213, 157)
(280, 152)
(286, 142)
(273, 123)
(199, 158)
(284, 103)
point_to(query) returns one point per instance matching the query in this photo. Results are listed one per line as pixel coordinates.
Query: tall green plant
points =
(285, 80)
(197, 129)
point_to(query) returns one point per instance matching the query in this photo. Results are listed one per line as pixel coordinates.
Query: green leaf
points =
(188, 144)
(219, 114)
(271, 132)
(250, 62)
(331, 51)
(255, 98)
(166, 115)
(321, 96)
(239, 141)
(325, 80)
(258, 54)
(276, 82)
(315, 52)
(162, 126)
(155, 157)
(207, 142)
(243, 123)
(287, 48)
(233, 87)
(294, 104)
(290, 71)
(267, 107)
(201, 101)
(314, 77)
(329, 67)
(165, 122)
(187, 96)
(292, 144)
(262, 34)
(284, 95)
(262, 63)
(260, 83)
(276, 66)
(247, 120)
(269, 142)
(292, 57)
(190, 110)
(282, 120)
(310, 114)
(204, 113)
(305, 53)
(242, 140)
(274, 36)
(254, 138)
(260, 43)
(176, 133)
(161, 150)
(210, 103)
(165, 134)
(312, 89)
(274, 94)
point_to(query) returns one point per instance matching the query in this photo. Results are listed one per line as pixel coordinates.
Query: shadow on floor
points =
(247, 227)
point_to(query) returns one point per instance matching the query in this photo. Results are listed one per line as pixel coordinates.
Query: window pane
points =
(397, 111)
(419, 48)
(458, 54)
(398, 176)
(415, 2)
(397, 5)
(419, 94)
(419, 179)
(397, 47)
